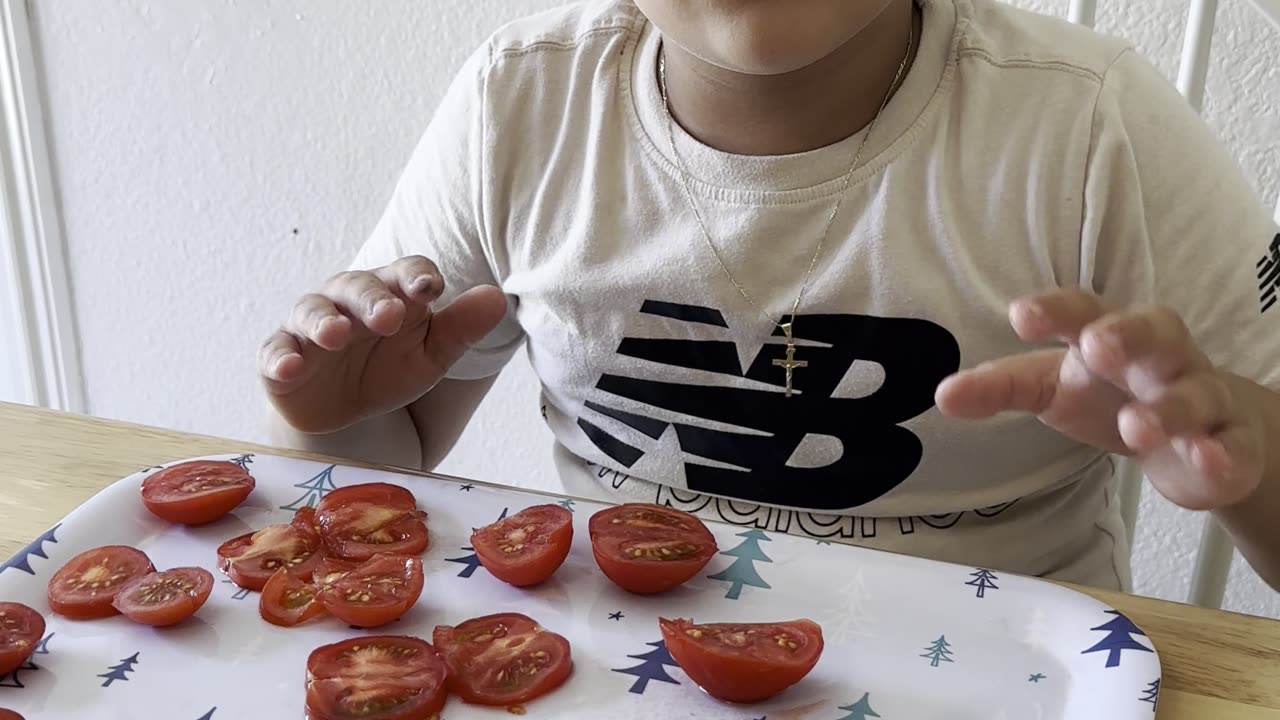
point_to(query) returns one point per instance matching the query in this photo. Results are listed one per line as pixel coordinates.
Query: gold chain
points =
(848, 176)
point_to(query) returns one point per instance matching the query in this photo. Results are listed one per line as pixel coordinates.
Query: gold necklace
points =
(789, 364)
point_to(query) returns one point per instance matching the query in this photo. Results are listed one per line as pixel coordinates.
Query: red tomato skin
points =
(200, 509)
(9, 715)
(376, 612)
(463, 680)
(734, 677)
(648, 577)
(35, 626)
(540, 564)
(413, 535)
(319, 671)
(170, 613)
(384, 494)
(271, 607)
(251, 577)
(99, 606)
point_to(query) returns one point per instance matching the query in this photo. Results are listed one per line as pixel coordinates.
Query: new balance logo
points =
(1269, 274)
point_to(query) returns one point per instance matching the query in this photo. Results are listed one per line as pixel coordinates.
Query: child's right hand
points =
(369, 343)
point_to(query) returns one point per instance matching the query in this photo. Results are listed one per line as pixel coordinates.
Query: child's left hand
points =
(1130, 381)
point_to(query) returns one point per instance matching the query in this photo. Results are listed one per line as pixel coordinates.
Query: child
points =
(751, 245)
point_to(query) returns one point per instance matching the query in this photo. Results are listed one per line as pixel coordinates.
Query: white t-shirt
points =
(1021, 154)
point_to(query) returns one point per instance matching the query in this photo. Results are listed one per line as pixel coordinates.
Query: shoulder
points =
(582, 31)
(1007, 38)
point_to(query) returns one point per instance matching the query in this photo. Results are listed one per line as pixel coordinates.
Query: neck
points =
(796, 111)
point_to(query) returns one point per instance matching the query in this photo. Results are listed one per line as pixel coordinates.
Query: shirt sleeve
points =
(436, 210)
(1170, 219)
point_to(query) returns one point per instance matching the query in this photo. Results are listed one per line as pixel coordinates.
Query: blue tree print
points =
(860, 710)
(22, 561)
(244, 461)
(12, 679)
(983, 580)
(120, 672)
(1120, 632)
(317, 487)
(1152, 693)
(240, 594)
(743, 571)
(938, 652)
(472, 561)
(208, 715)
(650, 667)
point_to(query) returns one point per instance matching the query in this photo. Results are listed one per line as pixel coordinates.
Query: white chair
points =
(1213, 560)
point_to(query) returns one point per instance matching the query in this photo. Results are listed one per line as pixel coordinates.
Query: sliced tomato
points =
(384, 494)
(503, 660)
(744, 662)
(650, 548)
(375, 593)
(526, 548)
(330, 570)
(198, 492)
(21, 630)
(372, 519)
(375, 678)
(86, 586)
(9, 715)
(288, 600)
(161, 599)
(250, 560)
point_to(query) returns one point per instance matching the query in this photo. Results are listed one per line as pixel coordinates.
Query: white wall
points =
(217, 158)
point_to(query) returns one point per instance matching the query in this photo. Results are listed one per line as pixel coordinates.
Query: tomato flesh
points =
(330, 570)
(360, 530)
(161, 599)
(376, 592)
(198, 492)
(250, 560)
(21, 630)
(744, 662)
(503, 660)
(288, 600)
(526, 548)
(86, 587)
(375, 678)
(649, 549)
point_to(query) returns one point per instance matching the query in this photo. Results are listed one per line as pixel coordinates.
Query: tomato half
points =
(250, 560)
(161, 599)
(9, 715)
(526, 548)
(198, 492)
(375, 678)
(361, 528)
(85, 587)
(650, 548)
(744, 662)
(384, 494)
(287, 600)
(330, 570)
(21, 630)
(503, 660)
(375, 593)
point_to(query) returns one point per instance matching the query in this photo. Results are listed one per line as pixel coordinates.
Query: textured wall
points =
(218, 157)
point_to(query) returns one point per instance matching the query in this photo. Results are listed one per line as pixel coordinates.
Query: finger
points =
(1225, 468)
(1141, 349)
(1199, 404)
(1061, 315)
(1025, 383)
(318, 319)
(280, 361)
(366, 298)
(463, 323)
(414, 278)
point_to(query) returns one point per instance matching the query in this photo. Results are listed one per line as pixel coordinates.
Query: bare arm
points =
(1254, 524)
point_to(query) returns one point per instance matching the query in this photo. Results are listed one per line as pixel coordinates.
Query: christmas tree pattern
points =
(12, 679)
(860, 710)
(743, 570)
(650, 667)
(472, 561)
(983, 580)
(938, 652)
(22, 561)
(244, 461)
(852, 620)
(317, 487)
(208, 715)
(120, 672)
(1152, 693)
(567, 505)
(241, 593)
(1120, 632)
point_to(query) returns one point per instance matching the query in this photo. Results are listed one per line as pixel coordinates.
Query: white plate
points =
(907, 639)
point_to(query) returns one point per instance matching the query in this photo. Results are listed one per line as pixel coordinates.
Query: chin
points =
(767, 54)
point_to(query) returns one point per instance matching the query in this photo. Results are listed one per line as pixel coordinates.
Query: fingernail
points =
(383, 306)
(422, 284)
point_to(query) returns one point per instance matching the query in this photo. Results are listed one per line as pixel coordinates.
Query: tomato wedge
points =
(287, 600)
(197, 492)
(649, 548)
(375, 593)
(250, 560)
(526, 548)
(503, 660)
(745, 662)
(375, 678)
(161, 599)
(360, 521)
(86, 586)
(21, 630)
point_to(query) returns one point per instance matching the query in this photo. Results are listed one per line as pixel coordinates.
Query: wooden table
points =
(1217, 665)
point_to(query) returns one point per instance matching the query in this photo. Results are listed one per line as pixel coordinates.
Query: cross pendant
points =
(790, 363)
